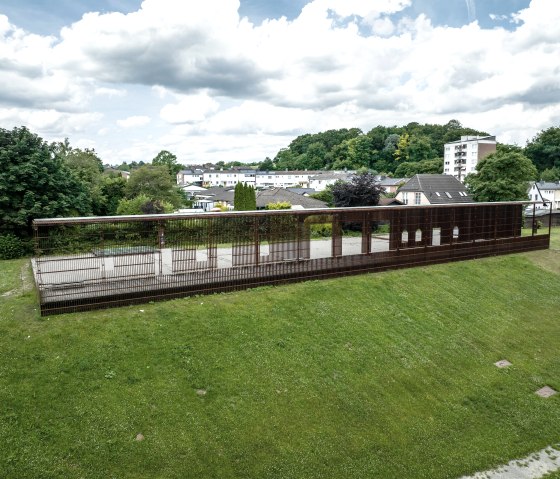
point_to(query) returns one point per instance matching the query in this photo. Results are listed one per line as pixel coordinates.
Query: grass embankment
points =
(385, 375)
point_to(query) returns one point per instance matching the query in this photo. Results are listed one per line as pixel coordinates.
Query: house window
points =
(417, 198)
(405, 198)
(437, 193)
(448, 194)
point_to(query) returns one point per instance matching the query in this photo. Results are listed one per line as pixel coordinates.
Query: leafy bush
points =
(11, 247)
(280, 205)
(321, 230)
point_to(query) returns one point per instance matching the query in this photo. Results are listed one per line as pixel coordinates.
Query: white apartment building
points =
(461, 157)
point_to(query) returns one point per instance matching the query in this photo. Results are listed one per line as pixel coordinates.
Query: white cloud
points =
(189, 109)
(497, 17)
(110, 92)
(51, 124)
(134, 121)
(222, 82)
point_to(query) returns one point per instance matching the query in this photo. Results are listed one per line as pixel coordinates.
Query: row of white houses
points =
(317, 180)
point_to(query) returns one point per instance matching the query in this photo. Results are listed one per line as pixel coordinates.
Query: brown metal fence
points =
(96, 262)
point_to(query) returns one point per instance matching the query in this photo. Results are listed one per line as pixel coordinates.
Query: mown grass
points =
(375, 376)
(10, 275)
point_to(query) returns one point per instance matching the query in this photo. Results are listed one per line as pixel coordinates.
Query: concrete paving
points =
(534, 466)
(52, 271)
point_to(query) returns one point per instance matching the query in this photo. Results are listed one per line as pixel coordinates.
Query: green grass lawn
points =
(10, 275)
(386, 375)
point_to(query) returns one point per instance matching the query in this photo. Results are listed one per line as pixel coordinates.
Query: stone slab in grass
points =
(502, 363)
(546, 392)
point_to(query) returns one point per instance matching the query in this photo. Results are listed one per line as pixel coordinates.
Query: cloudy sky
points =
(238, 80)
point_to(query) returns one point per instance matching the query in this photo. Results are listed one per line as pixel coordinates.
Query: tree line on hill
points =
(38, 179)
(401, 151)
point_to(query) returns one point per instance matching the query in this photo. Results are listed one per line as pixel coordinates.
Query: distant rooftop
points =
(438, 189)
(473, 138)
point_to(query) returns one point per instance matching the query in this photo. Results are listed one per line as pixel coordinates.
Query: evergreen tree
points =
(244, 198)
(252, 198)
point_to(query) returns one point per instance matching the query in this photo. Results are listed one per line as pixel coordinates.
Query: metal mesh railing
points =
(86, 263)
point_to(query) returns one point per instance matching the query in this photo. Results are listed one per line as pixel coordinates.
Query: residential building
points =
(302, 191)
(545, 193)
(391, 185)
(228, 177)
(323, 179)
(284, 179)
(433, 190)
(193, 190)
(461, 157)
(313, 179)
(389, 202)
(190, 177)
(213, 197)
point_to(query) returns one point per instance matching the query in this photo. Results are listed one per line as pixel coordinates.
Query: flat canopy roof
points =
(306, 212)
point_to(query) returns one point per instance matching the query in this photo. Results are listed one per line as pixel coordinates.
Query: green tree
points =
(266, 165)
(409, 169)
(326, 195)
(244, 198)
(156, 183)
(505, 148)
(551, 175)
(124, 166)
(113, 190)
(544, 149)
(87, 167)
(501, 176)
(169, 160)
(238, 198)
(315, 156)
(420, 149)
(401, 152)
(35, 183)
(361, 190)
(252, 198)
(143, 205)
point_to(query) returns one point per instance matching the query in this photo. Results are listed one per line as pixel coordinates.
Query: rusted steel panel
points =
(86, 263)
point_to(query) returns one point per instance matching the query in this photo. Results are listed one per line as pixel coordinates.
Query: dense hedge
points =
(11, 247)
